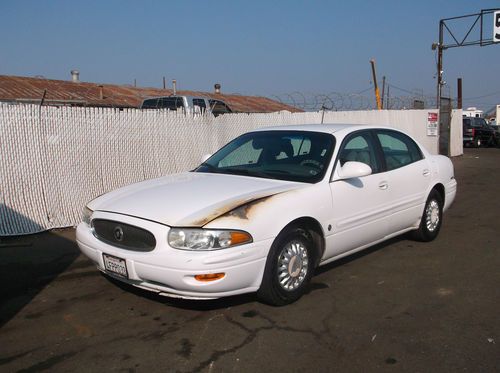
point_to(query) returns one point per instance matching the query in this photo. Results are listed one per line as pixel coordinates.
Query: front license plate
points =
(115, 265)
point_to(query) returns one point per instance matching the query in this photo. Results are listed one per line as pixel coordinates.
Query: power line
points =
(402, 89)
(488, 95)
(364, 90)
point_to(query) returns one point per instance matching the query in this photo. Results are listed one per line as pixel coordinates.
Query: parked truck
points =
(187, 104)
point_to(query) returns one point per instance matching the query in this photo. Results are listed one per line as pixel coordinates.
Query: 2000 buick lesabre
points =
(268, 208)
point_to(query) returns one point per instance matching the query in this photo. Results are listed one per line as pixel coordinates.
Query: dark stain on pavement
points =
(34, 315)
(251, 313)
(186, 348)
(159, 334)
(7, 360)
(48, 363)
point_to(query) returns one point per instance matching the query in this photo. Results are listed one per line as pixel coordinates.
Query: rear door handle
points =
(426, 172)
(383, 185)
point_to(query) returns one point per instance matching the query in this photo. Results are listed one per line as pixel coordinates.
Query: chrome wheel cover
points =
(432, 215)
(293, 265)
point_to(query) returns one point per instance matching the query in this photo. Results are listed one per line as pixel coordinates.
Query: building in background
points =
(17, 89)
(472, 112)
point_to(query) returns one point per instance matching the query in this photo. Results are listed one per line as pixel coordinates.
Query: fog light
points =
(209, 277)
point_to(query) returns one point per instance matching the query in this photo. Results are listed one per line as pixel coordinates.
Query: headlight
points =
(205, 239)
(86, 215)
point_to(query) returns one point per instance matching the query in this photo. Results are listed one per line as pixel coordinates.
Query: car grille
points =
(124, 236)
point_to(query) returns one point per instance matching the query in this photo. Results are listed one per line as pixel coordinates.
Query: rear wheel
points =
(289, 267)
(432, 218)
(477, 142)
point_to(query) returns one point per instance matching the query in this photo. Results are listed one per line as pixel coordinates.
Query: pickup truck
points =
(477, 132)
(188, 104)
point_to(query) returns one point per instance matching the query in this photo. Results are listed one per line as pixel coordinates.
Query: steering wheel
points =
(311, 163)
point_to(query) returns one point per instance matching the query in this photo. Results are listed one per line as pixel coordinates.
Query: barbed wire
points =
(337, 101)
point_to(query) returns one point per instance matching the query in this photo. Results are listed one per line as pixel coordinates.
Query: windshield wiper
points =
(276, 172)
(245, 172)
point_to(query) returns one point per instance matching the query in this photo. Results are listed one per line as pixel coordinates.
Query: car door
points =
(359, 205)
(408, 176)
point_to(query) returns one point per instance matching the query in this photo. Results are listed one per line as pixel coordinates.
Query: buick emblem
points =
(118, 233)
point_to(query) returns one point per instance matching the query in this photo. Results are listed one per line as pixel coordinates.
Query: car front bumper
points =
(171, 272)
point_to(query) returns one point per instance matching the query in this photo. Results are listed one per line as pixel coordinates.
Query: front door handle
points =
(383, 185)
(426, 172)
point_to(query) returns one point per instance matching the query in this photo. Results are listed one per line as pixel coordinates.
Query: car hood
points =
(189, 199)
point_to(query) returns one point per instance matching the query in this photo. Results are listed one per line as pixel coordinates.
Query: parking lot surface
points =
(400, 306)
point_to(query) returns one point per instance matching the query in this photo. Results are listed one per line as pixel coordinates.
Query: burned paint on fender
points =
(240, 209)
(243, 211)
(232, 209)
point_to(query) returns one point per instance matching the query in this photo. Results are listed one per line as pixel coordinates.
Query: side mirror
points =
(351, 170)
(205, 157)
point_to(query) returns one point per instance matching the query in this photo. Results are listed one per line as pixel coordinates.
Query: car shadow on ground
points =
(28, 263)
(227, 302)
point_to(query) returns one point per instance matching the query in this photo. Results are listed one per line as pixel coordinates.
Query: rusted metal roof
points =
(62, 92)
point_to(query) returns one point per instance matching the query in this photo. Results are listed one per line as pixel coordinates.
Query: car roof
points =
(324, 128)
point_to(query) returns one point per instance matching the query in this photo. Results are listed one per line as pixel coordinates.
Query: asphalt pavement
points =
(401, 306)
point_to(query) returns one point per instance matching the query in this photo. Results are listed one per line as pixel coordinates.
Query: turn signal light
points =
(209, 277)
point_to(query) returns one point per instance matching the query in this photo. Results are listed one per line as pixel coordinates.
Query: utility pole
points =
(377, 93)
(440, 48)
(383, 90)
(388, 97)
(459, 93)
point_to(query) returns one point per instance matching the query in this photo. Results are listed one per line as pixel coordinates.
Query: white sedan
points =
(267, 209)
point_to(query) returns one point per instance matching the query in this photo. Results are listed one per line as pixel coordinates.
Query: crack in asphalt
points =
(251, 335)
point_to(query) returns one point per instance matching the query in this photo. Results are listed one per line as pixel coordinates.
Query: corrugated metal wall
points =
(54, 160)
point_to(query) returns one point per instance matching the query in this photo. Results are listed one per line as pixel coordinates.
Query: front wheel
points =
(432, 218)
(289, 268)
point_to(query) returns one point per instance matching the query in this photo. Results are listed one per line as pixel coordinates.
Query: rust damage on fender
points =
(238, 209)
(243, 211)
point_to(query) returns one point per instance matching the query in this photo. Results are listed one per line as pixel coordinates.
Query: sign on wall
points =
(432, 124)
(496, 27)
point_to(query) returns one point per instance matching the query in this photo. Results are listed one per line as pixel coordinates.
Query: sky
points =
(250, 47)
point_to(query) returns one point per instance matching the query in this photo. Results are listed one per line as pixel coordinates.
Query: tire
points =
(477, 142)
(291, 260)
(432, 218)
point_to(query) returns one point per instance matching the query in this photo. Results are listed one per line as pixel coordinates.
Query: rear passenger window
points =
(399, 150)
(301, 145)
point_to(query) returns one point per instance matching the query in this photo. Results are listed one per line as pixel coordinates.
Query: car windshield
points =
(285, 155)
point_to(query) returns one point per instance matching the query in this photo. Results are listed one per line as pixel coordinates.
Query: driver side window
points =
(359, 148)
